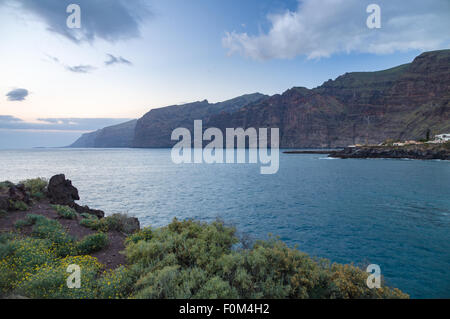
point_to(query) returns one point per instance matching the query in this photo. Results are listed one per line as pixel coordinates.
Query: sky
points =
(128, 57)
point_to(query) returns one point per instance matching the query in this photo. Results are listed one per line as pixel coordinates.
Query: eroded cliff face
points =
(155, 128)
(400, 103)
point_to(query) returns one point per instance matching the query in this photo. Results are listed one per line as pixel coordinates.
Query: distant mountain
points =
(401, 103)
(154, 129)
(120, 135)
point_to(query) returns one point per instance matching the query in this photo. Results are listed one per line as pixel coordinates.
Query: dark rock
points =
(87, 210)
(62, 192)
(424, 152)
(19, 193)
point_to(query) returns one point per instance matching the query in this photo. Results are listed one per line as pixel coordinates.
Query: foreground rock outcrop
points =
(61, 192)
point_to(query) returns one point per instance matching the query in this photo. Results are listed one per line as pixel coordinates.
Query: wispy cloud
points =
(80, 68)
(321, 28)
(116, 60)
(110, 20)
(62, 124)
(17, 94)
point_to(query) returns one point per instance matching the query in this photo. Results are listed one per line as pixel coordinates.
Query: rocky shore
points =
(420, 152)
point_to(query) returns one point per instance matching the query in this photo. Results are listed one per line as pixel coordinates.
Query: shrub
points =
(49, 281)
(144, 234)
(18, 259)
(51, 230)
(3, 213)
(36, 186)
(117, 222)
(92, 243)
(65, 211)
(22, 223)
(115, 284)
(197, 260)
(20, 206)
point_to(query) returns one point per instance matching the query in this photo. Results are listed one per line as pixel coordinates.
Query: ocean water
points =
(394, 213)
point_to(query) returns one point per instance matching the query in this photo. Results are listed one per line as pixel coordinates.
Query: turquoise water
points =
(395, 213)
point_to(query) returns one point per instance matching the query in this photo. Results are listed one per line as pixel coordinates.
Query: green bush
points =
(115, 284)
(65, 211)
(36, 187)
(22, 223)
(117, 222)
(19, 205)
(92, 243)
(144, 234)
(52, 230)
(196, 260)
(182, 260)
(3, 213)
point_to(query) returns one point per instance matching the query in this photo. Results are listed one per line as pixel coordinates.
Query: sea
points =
(393, 213)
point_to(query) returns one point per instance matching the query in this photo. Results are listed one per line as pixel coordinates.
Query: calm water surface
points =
(395, 213)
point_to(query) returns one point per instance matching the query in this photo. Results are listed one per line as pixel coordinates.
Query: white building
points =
(442, 137)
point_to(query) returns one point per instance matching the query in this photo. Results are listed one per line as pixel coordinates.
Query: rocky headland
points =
(419, 152)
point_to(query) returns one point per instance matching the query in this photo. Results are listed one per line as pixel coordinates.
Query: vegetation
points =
(36, 187)
(19, 205)
(65, 211)
(92, 243)
(118, 222)
(186, 259)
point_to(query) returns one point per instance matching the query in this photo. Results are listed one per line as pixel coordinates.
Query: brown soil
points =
(111, 256)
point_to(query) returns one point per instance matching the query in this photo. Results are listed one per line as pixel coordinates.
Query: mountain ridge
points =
(403, 102)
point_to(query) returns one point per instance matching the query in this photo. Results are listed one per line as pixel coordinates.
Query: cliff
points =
(155, 128)
(401, 103)
(120, 135)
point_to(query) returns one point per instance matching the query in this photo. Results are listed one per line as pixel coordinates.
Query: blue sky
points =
(131, 56)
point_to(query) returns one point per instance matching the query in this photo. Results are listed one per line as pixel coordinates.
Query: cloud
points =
(116, 60)
(17, 95)
(110, 20)
(59, 124)
(80, 68)
(321, 28)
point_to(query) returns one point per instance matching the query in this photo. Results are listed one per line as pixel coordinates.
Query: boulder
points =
(62, 192)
